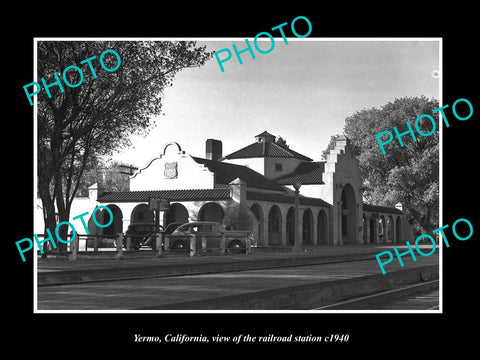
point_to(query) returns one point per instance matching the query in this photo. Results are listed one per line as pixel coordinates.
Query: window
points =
(195, 229)
(278, 166)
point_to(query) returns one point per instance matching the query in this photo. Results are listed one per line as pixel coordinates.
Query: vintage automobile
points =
(143, 234)
(235, 240)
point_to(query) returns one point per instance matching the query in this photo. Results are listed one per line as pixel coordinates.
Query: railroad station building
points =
(254, 189)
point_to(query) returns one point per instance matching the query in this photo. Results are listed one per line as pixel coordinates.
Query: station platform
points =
(266, 279)
(56, 271)
(305, 283)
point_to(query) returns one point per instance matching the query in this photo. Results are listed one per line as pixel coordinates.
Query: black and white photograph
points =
(260, 187)
(244, 181)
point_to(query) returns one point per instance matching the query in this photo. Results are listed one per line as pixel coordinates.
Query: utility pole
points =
(298, 235)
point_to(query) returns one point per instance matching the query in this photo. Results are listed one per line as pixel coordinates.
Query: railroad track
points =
(418, 296)
(289, 284)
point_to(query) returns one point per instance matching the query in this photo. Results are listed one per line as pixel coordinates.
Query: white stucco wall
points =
(266, 166)
(189, 174)
(288, 166)
(313, 190)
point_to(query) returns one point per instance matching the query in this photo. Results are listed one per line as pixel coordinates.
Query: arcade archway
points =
(290, 226)
(176, 213)
(258, 212)
(211, 212)
(141, 214)
(307, 227)
(349, 215)
(117, 224)
(398, 230)
(274, 226)
(322, 228)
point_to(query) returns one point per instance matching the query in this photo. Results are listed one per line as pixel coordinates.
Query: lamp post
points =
(297, 243)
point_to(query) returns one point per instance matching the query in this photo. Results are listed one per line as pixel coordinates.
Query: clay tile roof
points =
(306, 173)
(381, 209)
(266, 149)
(173, 195)
(226, 173)
(283, 198)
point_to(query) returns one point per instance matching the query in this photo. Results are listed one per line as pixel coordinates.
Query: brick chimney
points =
(213, 149)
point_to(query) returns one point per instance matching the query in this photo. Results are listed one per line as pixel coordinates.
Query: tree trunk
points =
(48, 211)
(63, 212)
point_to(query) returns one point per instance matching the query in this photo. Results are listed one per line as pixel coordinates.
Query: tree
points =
(98, 116)
(409, 174)
(108, 176)
(330, 146)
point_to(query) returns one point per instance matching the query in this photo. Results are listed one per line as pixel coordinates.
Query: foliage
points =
(330, 146)
(108, 176)
(98, 116)
(238, 217)
(409, 174)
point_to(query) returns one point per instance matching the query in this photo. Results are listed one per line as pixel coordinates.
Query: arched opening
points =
(176, 213)
(141, 214)
(258, 232)
(274, 226)
(117, 224)
(349, 215)
(290, 226)
(211, 212)
(110, 232)
(307, 227)
(365, 225)
(390, 229)
(382, 230)
(322, 228)
(373, 230)
(398, 229)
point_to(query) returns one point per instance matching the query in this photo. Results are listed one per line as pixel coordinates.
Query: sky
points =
(301, 91)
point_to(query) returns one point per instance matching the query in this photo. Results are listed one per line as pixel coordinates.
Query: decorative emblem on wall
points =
(171, 170)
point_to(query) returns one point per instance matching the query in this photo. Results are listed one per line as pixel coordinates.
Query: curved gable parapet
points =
(139, 171)
(162, 154)
(173, 143)
(172, 169)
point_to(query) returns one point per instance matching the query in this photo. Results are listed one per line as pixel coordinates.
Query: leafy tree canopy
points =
(408, 174)
(99, 115)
